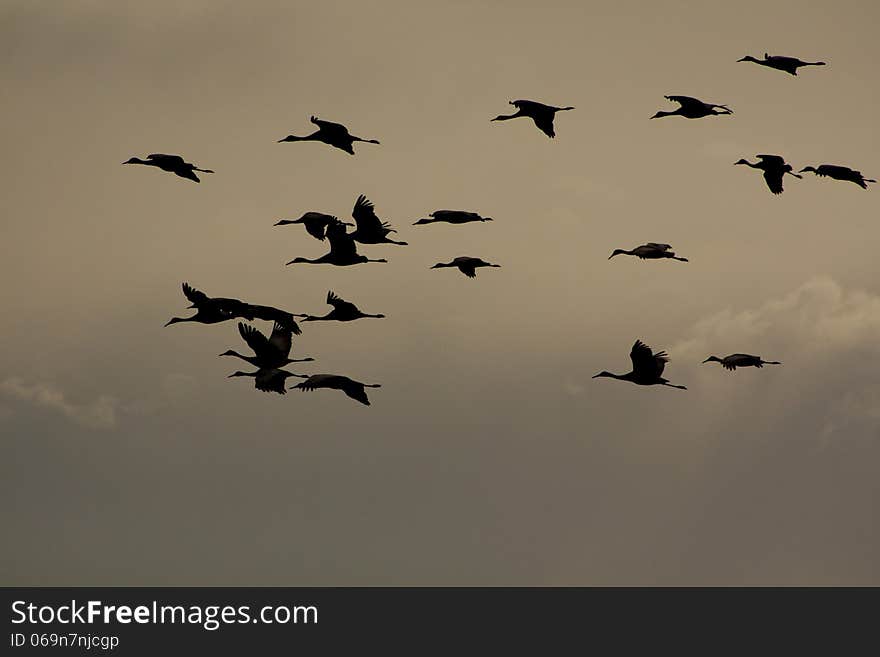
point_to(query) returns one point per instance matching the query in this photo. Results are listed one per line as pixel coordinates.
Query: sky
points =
(489, 456)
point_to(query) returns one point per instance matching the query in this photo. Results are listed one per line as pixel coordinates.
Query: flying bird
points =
(335, 134)
(269, 353)
(774, 168)
(352, 388)
(211, 310)
(343, 250)
(649, 251)
(315, 222)
(691, 108)
(781, 63)
(268, 380)
(540, 113)
(466, 265)
(840, 173)
(452, 217)
(343, 311)
(369, 228)
(741, 360)
(647, 367)
(170, 163)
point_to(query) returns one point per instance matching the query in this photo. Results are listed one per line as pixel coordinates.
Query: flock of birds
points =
(271, 354)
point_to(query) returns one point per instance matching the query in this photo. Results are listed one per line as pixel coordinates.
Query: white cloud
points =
(97, 414)
(827, 339)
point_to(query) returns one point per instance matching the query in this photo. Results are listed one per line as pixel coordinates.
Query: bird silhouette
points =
(781, 63)
(212, 310)
(466, 265)
(315, 222)
(268, 380)
(774, 168)
(540, 113)
(451, 217)
(343, 311)
(741, 360)
(649, 251)
(270, 353)
(343, 250)
(170, 163)
(840, 173)
(352, 388)
(334, 134)
(691, 108)
(647, 368)
(369, 228)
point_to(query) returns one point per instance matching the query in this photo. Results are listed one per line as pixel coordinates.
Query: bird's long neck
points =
(238, 355)
(366, 141)
(505, 117)
(754, 165)
(137, 160)
(660, 114)
(672, 385)
(175, 320)
(306, 261)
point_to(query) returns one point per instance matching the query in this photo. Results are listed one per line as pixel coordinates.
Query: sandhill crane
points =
(540, 113)
(840, 173)
(315, 222)
(343, 311)
(370, 229)
(270, 353)
(352, 388)
(171, 163)
(741, 360)
(334, 134)
(466, 265)
(211, 310)
(788, 64)
(452, 217)
(691, 108)
(774, 168)
(649, 251)
(647, 367)
(343, 251)
(267, 380)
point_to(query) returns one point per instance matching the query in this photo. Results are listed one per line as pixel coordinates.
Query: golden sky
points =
(489, 456)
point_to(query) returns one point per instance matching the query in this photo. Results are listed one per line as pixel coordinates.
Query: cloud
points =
(98, 414)
(826, 338)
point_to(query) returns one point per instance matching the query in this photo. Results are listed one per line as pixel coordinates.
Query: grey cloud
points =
(101, 413)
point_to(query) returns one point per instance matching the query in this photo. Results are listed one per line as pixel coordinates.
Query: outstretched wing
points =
(316, 223)
(281, 339)
(687, 102)
(645, 363)
(329, 125)
(659, 247)
(365, 216)
(195, 296)
(544, 121)
(775, 160)
(355, 390)
(773, 178)
(255, 340)
(340, 304)
(341, 243)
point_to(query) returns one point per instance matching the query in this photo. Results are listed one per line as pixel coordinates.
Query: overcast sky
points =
(489, 455)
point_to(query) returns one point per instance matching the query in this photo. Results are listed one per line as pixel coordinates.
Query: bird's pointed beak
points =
(596, 376)
(706, 361)
(741, 59)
